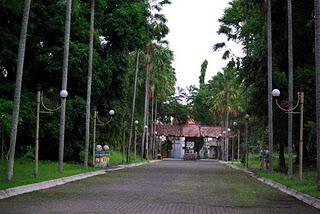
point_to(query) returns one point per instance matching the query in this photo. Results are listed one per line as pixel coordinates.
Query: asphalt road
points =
(163, 187)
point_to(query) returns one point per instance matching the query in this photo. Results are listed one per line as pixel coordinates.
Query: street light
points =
(99, 122)
(247, 116)
(235, 124)
(136, 122)
(288, 107)
(227, 143)
(224, 145)
(47, 110)
(146, 141)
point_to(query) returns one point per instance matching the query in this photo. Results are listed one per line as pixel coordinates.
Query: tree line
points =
(94, 60)
(280, 42)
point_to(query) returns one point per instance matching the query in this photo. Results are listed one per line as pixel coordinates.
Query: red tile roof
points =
(191, 130)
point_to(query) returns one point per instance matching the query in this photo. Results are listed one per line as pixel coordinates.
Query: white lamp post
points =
(47, 110)
(288, 107)
(247, 116)
(235, 124)
(224, 145)
(97, 121)
(136, 122)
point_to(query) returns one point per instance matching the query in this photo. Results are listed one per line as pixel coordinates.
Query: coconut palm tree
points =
(134, 98)
(17, 91)
(227, 97)
(270, 113)
(144, 143)
(64, 84)
(290, 88)
(317, 60)
(89, 79)
(17, 94)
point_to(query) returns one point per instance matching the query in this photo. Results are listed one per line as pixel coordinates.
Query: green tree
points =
(202, 76)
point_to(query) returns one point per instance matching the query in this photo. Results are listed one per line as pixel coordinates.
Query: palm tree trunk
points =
(270, 113)
(290, 92)
(227, 122)
(155, 128)
(144, 143)
(64, 84)
(317, 60)
(89, 79)
(17, 91)
(147, 121)
(134, 98)
(151, 126)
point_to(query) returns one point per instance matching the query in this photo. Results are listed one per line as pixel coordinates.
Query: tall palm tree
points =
(134, 98)
(270, 113)
(144, 143)
(152, 123)
(317, 60)
(89, 79)
(227, 91)
(227, 98)
(17, 91)
(64, 84)
(290, 88)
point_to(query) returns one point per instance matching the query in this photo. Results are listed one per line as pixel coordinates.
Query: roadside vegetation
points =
(307, 186)
(24, 170)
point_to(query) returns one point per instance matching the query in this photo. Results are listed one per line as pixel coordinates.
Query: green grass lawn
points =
(116, 158)
(48, 170)
(307, 186)
(23, 172)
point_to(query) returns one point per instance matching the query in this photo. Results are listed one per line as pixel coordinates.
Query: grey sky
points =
(193, 32)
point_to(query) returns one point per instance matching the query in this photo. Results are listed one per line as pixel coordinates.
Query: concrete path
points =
(163, 187)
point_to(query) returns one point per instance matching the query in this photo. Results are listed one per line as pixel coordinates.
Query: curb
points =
(312, 201)
(60, 181)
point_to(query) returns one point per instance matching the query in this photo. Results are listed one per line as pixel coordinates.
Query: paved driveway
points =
(163, 187)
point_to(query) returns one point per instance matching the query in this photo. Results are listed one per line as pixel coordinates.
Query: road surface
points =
(164, 187)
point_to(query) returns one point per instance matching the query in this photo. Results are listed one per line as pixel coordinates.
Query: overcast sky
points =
(193, 32)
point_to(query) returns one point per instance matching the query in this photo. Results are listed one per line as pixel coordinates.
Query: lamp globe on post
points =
(112, 112)
(63, 93)
(99, 148)
(247, 116)
(275, 92)
(146, 127)
(136, 122)
(106, 147)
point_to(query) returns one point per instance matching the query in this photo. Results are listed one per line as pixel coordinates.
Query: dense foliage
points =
(245, 22)
(121, 28)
